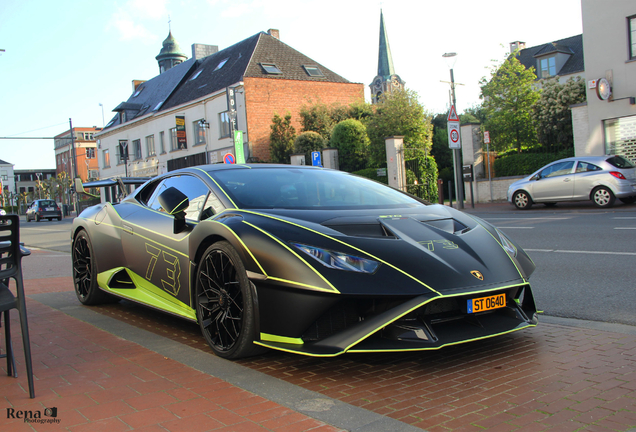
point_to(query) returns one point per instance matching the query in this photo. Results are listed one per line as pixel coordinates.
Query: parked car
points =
(43, 209)
(304, 260)
(601, 179)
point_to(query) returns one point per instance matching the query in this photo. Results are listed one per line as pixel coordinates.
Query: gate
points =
(416, 178)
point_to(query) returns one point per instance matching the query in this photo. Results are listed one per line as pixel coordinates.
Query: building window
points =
(313, 71)
(174, 143)
(137, 149)
(224, 124)
(631, 34)
(199, 132)
(122, 152)
(150, 145)
(90, 153)
(162, 142)
(548, 67)
(271, 68)
(106, 159)
(620, 137)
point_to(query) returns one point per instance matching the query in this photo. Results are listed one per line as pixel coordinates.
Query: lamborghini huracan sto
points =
(302, 259)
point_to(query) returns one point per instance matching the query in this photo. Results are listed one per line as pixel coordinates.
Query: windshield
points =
(292, 188)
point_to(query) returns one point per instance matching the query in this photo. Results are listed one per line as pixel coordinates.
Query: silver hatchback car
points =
(601, 179)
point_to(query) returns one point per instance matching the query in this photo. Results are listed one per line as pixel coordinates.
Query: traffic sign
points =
(316, 159)
(452, 114)
(454, 141)
(486, 137)
(229, 158)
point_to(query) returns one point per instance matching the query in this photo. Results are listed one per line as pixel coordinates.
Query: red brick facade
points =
(266, 97)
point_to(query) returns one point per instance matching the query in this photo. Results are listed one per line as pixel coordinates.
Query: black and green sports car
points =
(302, 259)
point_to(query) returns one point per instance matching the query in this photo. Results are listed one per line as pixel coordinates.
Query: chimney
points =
(517, 45)
(274, 33)
(200, 51)
(137, 83)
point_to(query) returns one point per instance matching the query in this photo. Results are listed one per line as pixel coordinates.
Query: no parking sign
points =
(229, 158)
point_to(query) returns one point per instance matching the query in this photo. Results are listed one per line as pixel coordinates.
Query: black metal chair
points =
(11, 254)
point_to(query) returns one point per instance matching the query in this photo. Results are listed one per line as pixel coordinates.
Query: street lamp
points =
(459, 184)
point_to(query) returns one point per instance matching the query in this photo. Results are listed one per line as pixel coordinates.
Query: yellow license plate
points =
(486, 303)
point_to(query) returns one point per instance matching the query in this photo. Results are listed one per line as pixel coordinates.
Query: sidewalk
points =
(123, 367)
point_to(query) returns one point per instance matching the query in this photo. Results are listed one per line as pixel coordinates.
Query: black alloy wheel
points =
(85, 273)
(225, 306)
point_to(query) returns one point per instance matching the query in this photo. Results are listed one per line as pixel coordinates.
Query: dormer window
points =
(547, 67)
(271, 68)
(138, 91)
(313, 71)
(196, 75)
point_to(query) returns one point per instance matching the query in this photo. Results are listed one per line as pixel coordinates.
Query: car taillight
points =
(618, 175)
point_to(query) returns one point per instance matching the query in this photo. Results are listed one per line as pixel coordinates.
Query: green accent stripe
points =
(177, 206)
(499, 243)
(217, 185)
(242, 243)
(146, 293)
(281, 339)
(333, 289)
(346, 244)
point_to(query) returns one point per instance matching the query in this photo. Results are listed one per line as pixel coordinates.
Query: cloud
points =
(128, 29)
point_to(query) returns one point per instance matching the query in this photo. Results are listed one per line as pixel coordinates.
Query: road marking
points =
(625, 217)
(627, 228)
(582, 252)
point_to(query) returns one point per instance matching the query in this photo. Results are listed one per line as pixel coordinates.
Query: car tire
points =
(85, 273)
(550, 204)
(225, 303)
(603, 197)
(37, 218)
(59, 218)
(522, 200)
(628, 200)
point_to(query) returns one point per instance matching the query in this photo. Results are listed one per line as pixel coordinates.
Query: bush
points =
(307, 142)
(517, 164)
(424, 186)
(372, 173)
(350, 138)
(281, 139)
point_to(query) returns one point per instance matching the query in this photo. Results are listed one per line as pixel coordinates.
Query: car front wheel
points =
(85, 272)
(603, 197)
(225, 303)
(522, 200)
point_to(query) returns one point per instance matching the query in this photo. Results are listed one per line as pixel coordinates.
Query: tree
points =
(508, 98)
(398, 113)
(552, 114)
(350, 138)
(281, 139)
(307, 142)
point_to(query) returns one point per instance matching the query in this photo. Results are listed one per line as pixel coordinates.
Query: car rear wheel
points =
(522, 200)
(628, 200)
(225, 304)
(85, 272)
(603, 197)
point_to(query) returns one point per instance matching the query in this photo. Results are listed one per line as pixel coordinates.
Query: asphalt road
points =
(585, 257)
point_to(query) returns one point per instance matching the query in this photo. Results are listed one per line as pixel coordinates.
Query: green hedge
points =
(372, 173)
(517, 164)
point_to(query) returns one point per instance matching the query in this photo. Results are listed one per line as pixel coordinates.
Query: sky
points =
(64, 58)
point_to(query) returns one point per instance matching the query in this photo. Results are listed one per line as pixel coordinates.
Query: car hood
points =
(422, 249)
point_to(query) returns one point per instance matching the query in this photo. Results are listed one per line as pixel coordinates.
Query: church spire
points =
(170, 55)
(385, 60)
(386, 80)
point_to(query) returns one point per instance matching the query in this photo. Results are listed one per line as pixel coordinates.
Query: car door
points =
(586, 176)
(153, 250)
(554, 183)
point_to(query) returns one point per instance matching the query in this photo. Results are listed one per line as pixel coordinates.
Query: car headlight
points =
(339, 260)
(506, 244)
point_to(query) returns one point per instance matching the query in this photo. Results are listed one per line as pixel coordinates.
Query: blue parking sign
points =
(316, 159)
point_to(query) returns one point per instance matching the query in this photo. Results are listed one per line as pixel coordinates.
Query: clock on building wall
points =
(603, 89)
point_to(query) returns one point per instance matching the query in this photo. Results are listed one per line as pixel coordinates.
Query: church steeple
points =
(170, 55)
(387, 79)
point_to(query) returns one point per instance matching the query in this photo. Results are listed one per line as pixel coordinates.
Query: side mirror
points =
(79, 187)
(174, 202)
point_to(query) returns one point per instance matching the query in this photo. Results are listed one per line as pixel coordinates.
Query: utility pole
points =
(459, 183)
(74, 164)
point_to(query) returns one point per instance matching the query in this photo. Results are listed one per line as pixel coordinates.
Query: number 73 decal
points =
(173, 269)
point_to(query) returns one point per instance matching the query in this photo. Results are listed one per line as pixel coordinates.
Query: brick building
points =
(181, 117)
(85, 153)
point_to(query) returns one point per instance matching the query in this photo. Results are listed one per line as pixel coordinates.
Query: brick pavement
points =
(552, 377)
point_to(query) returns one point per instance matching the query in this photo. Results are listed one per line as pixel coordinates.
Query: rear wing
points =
(121, 182)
